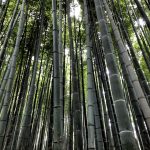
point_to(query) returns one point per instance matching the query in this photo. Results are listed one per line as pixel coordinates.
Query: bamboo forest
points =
(74, 75)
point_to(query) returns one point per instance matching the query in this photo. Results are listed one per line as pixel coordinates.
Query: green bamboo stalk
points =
(90, 90)
(56, 90)
(61, 65)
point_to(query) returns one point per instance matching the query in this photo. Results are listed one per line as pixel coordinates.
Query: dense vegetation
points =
(74, 75)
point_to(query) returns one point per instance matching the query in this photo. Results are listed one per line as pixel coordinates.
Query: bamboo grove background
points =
(74, 79)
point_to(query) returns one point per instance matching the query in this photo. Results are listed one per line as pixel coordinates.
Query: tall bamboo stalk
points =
(90, 110)
(56, 97)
